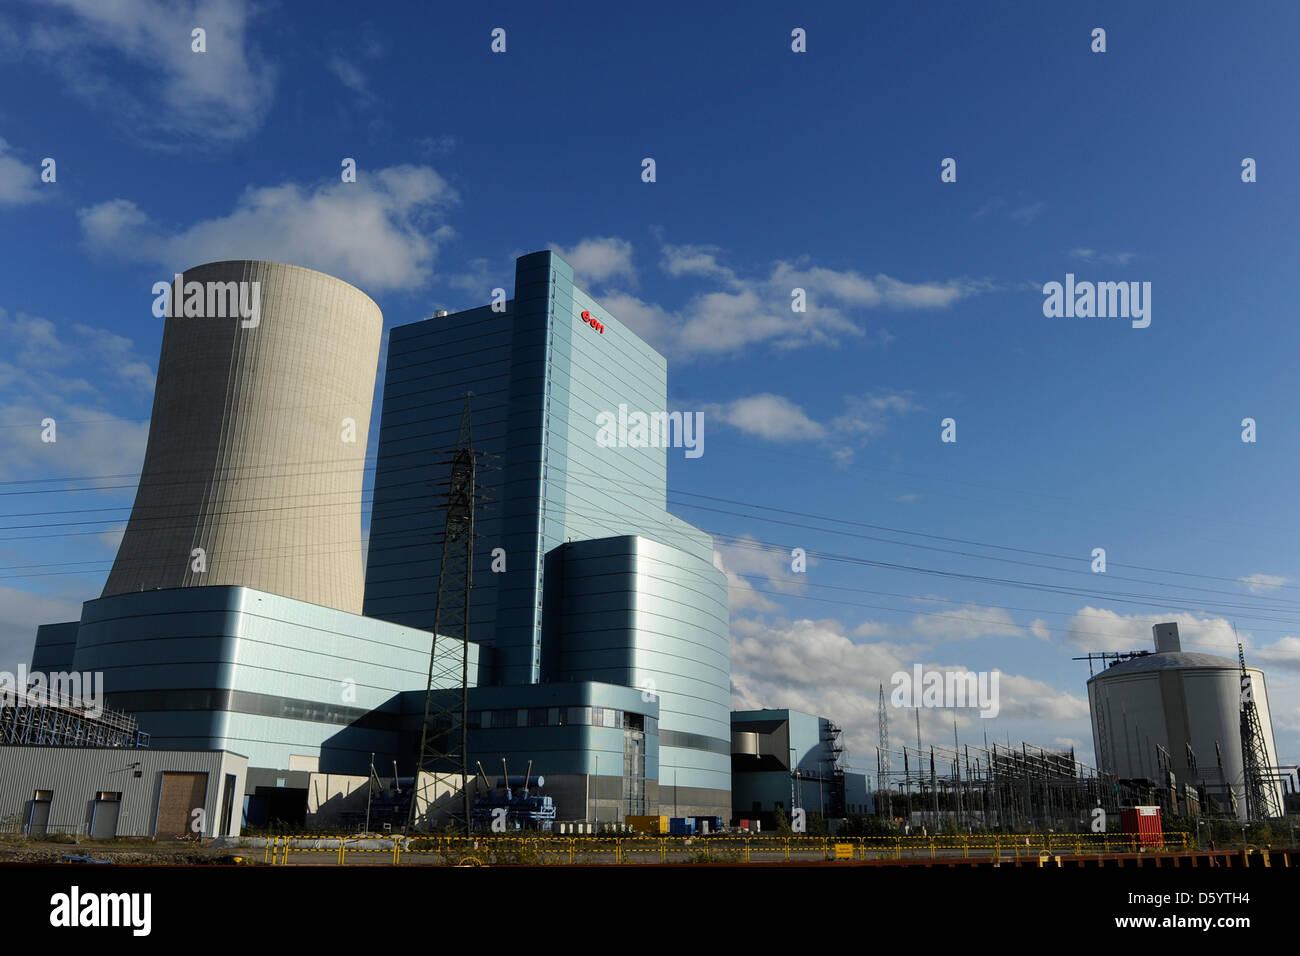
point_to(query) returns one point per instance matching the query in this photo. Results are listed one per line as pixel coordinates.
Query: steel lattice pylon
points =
(1261, 795)
(442, 768)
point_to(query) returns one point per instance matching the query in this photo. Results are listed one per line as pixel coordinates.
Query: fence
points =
(474, 851)
(14, 827)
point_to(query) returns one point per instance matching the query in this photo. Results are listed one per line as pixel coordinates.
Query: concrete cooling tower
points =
(253, 471)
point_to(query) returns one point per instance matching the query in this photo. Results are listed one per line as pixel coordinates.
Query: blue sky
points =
(775, 170)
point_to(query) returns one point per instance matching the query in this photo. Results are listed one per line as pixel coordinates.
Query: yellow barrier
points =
(644, 848)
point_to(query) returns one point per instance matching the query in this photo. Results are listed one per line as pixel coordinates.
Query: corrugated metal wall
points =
(77, 776)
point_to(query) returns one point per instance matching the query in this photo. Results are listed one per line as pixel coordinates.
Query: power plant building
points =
(784, 759)
(1179, 712)
(235, 619)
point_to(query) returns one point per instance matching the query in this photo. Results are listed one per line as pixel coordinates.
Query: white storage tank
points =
(1177, 699)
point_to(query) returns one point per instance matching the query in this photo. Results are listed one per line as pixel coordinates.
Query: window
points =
(537, 717)
(611, 717)
(475, 719)
(579, 715)
(598, 716)
(503, 719)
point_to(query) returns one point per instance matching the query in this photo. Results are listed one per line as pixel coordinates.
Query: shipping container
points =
(1144, 823)
(655, 826)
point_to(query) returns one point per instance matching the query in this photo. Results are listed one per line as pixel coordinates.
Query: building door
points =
(103, 820)
(634, 772)
(38, 815)
(182, 794)
(227, 806)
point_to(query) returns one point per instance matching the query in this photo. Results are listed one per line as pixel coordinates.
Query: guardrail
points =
(477, 851)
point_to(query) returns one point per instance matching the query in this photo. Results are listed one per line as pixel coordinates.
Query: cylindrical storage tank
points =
(253, 471)
(1173, 699)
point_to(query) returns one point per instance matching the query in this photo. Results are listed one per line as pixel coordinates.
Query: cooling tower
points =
(253, 474)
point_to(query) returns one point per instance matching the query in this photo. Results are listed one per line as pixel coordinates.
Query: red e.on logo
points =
(586, 317)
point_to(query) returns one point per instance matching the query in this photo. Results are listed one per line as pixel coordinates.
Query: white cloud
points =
(599, 259)
(21, 612)
(776, 418)
(865, 415)
(768, 416)
(748, 557)
(814, 666)
(1092, 255)
(88, 440)
(1100, 629)
(347, 67)
(43, 376)
(680, 261)
(19, 180)
(350, 75)
(1283, 653)
(36, 348)
(967, 622)
(851, 288)
(480, 278)
(961, 622)
(175, 93)
(376, 232)
(753, 310)
(1028, 212)
(744, 598)
(1261, 583)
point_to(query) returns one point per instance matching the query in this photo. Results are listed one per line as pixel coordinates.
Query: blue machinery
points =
(511, 803)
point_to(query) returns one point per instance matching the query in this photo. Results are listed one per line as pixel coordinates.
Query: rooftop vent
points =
(1167, 637)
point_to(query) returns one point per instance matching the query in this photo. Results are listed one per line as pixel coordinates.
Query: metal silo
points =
(1187, 703)
(257, 445)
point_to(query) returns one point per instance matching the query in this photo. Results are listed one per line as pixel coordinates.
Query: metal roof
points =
(1169, 660)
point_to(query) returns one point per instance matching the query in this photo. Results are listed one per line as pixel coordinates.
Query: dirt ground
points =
(124, 851)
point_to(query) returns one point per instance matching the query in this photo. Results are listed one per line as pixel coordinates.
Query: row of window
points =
(561, 717)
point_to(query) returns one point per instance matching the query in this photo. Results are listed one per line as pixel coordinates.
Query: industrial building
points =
(1174, 719)
(235, 619)
(104, 792)
(784, 759)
